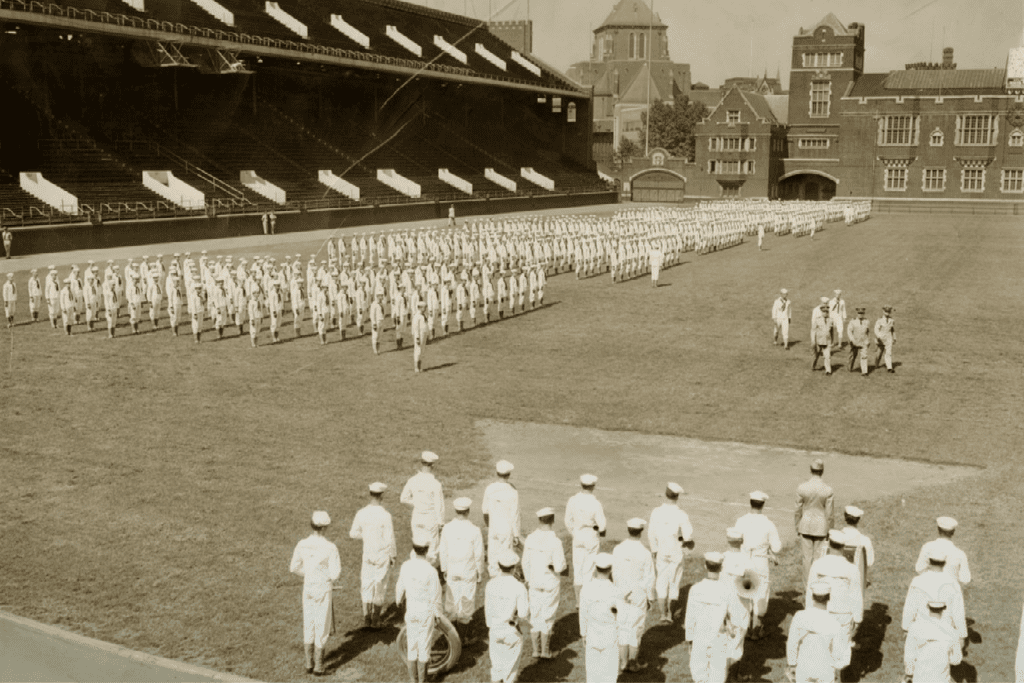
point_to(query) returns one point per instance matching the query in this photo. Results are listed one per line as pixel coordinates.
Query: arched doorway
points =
(658, 186)
(810, 185)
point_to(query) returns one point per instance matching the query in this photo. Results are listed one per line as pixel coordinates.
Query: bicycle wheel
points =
(445, 649)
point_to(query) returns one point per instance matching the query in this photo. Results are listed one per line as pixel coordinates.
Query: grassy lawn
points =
(153, 489)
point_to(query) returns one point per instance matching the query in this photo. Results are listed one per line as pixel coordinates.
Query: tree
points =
(627, 150)
(672, 126)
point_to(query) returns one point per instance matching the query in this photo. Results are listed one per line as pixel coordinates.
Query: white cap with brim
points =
(504, 467)
(588, 480)
(836, 537)
(733, 534)
(508, 559)
(853, 511)
(674, 488)
(378, 487)
(462, 504)
(946, 523)
(714, 559)
(546, 512)
(429, 457)
(783, 291)
(759, 496)
(936, 555)
(603, 561)
(321, 518)
(636, 524)
(821, 589)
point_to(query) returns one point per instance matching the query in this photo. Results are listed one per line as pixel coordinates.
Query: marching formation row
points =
(615, 591)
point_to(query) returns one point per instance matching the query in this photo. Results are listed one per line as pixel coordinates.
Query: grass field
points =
(152, 490)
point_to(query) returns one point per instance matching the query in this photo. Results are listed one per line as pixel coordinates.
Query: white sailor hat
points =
(546, 512)
(853, 511)
(636, 523)
(504, 467)
(836, 537)
(674, 488)
(55, 267)
(824, 299)
(10, 276)
(588, 480)
(34, 270)
(603, 561)
(783, 291)
(759, 496)
(462, 504)
(161, 256)
(429, 457)
(321, 518)
(837, 292)
(946, 523)
(176, 254)
(818, 465)
(714, 559)
(733, 534)
(821, 589)
(508, 559)
(203, 251)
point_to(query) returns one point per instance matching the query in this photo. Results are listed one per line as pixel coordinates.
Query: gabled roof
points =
(930, 82)
(755, 103)
(779, 104)
(636, 91)
(631, 13)
(831, 21)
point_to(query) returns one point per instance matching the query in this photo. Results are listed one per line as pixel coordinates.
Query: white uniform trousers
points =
(317, 616)
(602, 664)
(543, 605)
(585, 545)
(419, 632)
(460, 599)
(505, 649)
(668, 577)
(374, 580)
(708, 661)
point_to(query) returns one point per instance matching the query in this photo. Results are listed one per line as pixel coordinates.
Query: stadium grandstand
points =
(156, 109)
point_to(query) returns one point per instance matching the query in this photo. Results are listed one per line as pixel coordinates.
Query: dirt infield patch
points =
(717, 476)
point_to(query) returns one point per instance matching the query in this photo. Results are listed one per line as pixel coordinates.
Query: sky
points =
(720, 39)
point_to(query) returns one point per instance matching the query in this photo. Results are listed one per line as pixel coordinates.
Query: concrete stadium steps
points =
(15, 200)
(147, 157)
(112, 6)
(91, 175)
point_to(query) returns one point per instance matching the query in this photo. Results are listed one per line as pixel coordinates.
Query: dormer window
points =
(1017, 138)
(732, 116)
(937, 138)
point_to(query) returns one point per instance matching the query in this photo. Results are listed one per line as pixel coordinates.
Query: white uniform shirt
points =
(505, 601)
(668, 523)
(543, 560)
(633, 571)
(935, 586)
(461, 551)
(759, 535)
(317, 561)
(419, 584)
(782, 309)
(373, 525)
(844, 579)
(709, 605)
(501, 505)
(956, 560)
(584, 512)
(930, 649)
(815, 646)
(598, 624)
(423, 493)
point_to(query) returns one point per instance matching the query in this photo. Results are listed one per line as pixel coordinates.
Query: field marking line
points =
(122, 651)
(615, 490)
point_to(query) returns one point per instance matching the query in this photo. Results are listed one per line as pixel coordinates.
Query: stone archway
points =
(657, 185)
(808, 185)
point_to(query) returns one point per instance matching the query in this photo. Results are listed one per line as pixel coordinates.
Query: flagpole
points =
(650, 45)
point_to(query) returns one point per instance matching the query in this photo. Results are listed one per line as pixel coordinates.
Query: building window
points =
(731, 191)
(571, 112)
(750, 144)
(937, 138)
(813, 143)
(933, 180)
(1012, 180)
(1017, 139)
(823, 59)
(732, 144)
(821, 94)
(556, 105)
(632, 46)
(972, 180)
(749, 170)
(898, 130)
(712, 167)
(976, 129)
(641, 52)
(732, 116)
(896, 179)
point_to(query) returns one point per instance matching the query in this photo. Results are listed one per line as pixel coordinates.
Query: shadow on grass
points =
(357, 642)
(868, 657)
(657, 641)
(439, 367)
(564, 633)
(964, 673)
(754, 665)
(477, 648)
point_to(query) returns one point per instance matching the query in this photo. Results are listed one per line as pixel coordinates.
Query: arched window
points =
(632, 46)
(571, 112)
(1017, 139)
(642, 51)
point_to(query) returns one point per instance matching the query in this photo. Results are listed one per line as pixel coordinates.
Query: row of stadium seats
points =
(371, 17)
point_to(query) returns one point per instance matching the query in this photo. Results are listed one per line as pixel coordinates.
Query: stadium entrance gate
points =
(658, 186)
(811, 185)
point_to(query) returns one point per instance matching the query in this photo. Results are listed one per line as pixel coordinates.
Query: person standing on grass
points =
(821, 340)
(10, 299)
(633, 573)
(500, 508)
(373, 525)
(51, 290)
(505, 604)
(317, 561)
(376, 322)
(35, 294)
(931, 648)
(657, 258)
(815, 501)
(419, 335)
(585, 520)
(859, 544)
(8, 238)
(859, 335)
(273, 223)
(424, 495)
(543, 563)
(461, 556)
(936, 584)
(735, 565)
(712, 612)
(956, 559)
(761, 540)
(837, 316)
(599, 602)
(846, 599)
(782, 313)
(814, 648)
(669, 533)
(419, 587)
(885, 337)
(760, 235)
(67, 307)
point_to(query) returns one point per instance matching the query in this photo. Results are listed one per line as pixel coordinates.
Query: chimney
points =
(947, 58)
